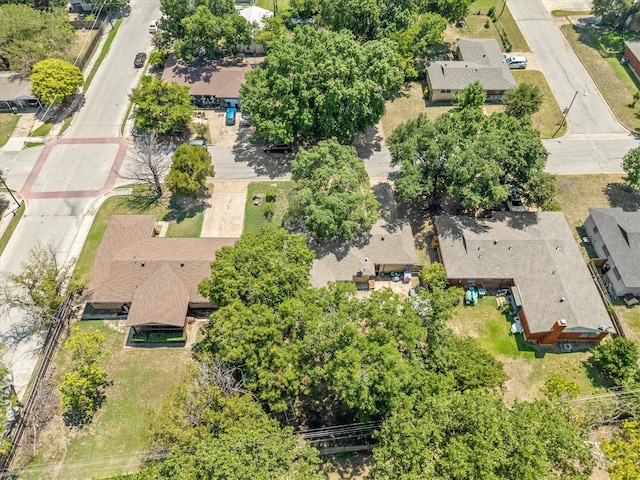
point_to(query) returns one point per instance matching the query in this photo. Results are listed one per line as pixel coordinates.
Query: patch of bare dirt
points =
(516, 387)
(354, 466)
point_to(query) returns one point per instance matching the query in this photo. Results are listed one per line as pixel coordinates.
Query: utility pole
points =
(10, 193)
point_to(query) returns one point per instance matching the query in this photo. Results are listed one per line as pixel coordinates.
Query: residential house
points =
(152, 279)
(218, 83)
(534, 257)
(255, 15)
(478, 60)
(388, 247)
(15, 92)
(632, 55)
(615, 236)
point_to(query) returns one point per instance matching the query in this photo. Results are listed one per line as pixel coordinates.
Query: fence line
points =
(54, 336)
(84, 58)
(604, 294)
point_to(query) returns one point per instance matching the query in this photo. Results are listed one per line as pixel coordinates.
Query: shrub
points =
(492, 12)
(269, 210)
(272, 193)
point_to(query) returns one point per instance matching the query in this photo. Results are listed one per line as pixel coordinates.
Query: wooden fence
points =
(604, 294)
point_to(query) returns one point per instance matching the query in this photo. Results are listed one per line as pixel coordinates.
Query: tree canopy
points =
(219, 434)
(631, 166)
(163, 107)
(318, 84)
(617, 359)
(54, 80)
(202, 29)
(523, 100)
(473, 435)
(475, 158)
(333, 195)
(623, 452)
(28, 36)
(189, 170)
(267, 267)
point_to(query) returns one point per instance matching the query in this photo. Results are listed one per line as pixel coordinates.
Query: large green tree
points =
(523, 100)
(612, 11)
(473, 435)
(38, 289)
(623, 452)
(189, 170)
(617, 359)
(267, 267)
(54, 80)
(161, 106)
(214, 432)
(28, 36)
(333, 195)
(631, 166)
(476, 159)
(318, 85)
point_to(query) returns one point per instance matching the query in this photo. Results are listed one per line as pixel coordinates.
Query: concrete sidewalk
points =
(225, 215)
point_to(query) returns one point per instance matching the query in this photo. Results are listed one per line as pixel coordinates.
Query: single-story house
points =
(15, 92)
(255, 15)
(478, 60)
(534, 256)
(632, 55)
(386, 248)
(615, 236)
(153, 279)
(215, 83)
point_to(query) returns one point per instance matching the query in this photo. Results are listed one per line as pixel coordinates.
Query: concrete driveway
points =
(225, 216)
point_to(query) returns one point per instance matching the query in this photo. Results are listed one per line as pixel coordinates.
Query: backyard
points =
(111, 444)
(527, 368)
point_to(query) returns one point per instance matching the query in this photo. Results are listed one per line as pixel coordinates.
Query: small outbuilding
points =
(15, 92)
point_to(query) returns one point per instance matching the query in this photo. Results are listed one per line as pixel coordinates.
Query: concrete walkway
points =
(225, 216)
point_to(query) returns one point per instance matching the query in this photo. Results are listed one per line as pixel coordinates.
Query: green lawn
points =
(183, 222)
(42, 131)
(8, 124)
(549, 118)
(527, 368)
(111, 445)
(254, 217)
(600, 51)
(6, 236)
(483, 6)
(477, 27)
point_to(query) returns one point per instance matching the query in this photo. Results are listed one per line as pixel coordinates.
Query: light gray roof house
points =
(535, 249)
(615, 234)
(478, 60)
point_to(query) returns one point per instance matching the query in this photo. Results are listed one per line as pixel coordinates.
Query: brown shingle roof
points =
(159, 276)
(206, 78)
(536, 250)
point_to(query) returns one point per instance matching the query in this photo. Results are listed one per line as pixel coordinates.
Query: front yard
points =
(260, 210)
(527, 368)
(111, 444)
(184, 217)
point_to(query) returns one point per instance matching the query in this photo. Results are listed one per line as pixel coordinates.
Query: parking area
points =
(221, 135)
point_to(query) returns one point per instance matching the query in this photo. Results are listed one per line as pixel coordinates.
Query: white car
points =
(516, 62)
(153, 26)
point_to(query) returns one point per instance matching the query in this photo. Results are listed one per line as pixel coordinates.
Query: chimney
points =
(554, 335)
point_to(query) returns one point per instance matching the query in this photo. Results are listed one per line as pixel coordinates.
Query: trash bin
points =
(14, 110)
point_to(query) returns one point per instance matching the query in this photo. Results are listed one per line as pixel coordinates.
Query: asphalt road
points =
(107, 99)
(570, 82)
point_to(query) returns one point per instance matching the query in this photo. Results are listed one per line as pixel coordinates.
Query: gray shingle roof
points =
(634, 47)
(14, 87)
(620, 232)
(385, 244)
(536, 250)
(481, 60)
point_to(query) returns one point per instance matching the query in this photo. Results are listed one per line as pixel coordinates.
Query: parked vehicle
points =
(198, 142)
(274, 147)
(230, 117)
(153, 26)
(245, 120)
(515, 203)
(140, 59)
(515, 63)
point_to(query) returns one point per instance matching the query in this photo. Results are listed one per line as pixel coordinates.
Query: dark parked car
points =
(273, 147)
(140, 59)
(198, 142)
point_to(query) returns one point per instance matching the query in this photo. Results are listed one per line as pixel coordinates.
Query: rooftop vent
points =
(562, 322)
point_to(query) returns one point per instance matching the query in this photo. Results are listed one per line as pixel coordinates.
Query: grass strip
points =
(8, 124)
(103, 54)
(6, 236)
